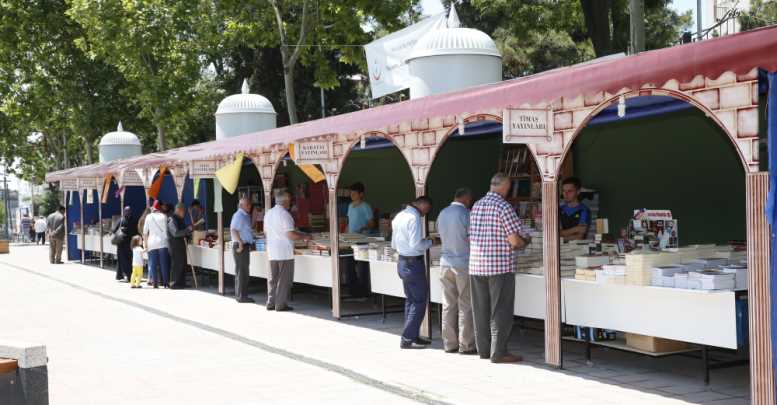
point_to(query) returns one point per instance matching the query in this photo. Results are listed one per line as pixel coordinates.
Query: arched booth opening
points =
(662, 269)
(468, 160)
(374, 184)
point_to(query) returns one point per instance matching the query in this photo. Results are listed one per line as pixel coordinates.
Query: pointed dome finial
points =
(119, 128)
(245, 89)
(453, 17)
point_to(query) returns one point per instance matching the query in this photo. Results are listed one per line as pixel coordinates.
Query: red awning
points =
(739, 53)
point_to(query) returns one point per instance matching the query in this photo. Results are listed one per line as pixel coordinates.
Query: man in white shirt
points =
(40, 230)
(279, 229)
(407, 239)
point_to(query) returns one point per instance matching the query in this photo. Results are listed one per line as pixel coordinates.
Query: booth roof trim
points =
(738, 53)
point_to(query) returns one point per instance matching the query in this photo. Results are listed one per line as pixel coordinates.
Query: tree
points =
(154, 45)
(760, 14)
(289, 57)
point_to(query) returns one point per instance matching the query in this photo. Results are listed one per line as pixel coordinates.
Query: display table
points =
(313, 270)
(694, 316)
(208, 258)
(93, 243)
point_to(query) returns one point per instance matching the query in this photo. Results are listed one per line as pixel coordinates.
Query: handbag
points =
(118, 236)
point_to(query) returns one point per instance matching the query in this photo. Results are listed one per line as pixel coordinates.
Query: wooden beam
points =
(220, 244)
(550, 253)
(334, 240)
(426, 324)
(759, 296)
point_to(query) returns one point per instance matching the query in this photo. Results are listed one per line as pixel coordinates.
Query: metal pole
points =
(100, 218)
(5, 198)
(698, 20)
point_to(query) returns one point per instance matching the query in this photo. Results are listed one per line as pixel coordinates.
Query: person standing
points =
(198, 222)
(458, 335)
(242, 243)
(279, 228)
(574, 216)
(123, 248)
(25, 227)
(55, 224)
(178, 231)
(495, 233)
(407, 239)
(155, 239)
(137, 261)
(40, 231)
(360, 220)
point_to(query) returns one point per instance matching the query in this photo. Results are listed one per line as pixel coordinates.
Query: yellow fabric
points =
(313, 173)
(229, 175)
(196, 187)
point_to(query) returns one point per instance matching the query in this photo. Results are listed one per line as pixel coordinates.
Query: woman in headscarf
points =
(123, 251)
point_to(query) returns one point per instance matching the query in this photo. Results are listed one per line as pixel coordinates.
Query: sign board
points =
(527, 125)
(312, 152)
(203, 168)
(68, 184)
(87, 184)
(130, 178)
(179, 178)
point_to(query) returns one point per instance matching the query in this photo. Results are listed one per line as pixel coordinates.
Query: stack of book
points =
(740, 275)
(585, 274)
(639, 266)
(711, 280)
(663, 276)
(611, 274)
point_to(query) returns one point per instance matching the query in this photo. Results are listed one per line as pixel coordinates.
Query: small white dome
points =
(120, 137)
(245, 103)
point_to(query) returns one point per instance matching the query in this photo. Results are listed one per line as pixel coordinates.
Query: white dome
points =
(120, 137)
(245, 103)
(454, 41)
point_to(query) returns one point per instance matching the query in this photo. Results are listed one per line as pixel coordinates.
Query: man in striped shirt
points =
(495, 233)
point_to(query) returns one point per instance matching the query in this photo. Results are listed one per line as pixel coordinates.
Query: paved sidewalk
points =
(108, 343)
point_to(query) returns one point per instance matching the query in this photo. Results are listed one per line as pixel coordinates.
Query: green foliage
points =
(47, 202)
(761, 14)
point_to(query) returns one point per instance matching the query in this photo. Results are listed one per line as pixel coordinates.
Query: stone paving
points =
(108, 343)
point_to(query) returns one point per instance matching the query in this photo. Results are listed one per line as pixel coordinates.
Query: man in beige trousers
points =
(55, 225)
(458, 335)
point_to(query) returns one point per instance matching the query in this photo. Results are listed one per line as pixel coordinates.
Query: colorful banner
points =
(313, 172)
(229, 175)
(153, 191)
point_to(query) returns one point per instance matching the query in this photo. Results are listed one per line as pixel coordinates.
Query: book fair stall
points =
(670, 146)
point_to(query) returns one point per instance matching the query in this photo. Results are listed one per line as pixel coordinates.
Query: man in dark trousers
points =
(177, 232)
(407, 239)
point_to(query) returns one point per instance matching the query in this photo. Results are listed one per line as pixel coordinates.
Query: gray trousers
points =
(242, 260)
(457, 330)
(55, 249)
(279, 283)
(493, 299)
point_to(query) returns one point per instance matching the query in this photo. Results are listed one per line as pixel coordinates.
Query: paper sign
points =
(203, 168)
(527, 125)
(311, 152)
(90, 196)
(217, 206)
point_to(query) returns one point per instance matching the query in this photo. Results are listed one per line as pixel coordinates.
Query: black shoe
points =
(411, 345)
(422, 341)
(245, 300)
(469, 352)
(270, 307)
(485, 357)
(284, 309)
(452, 351)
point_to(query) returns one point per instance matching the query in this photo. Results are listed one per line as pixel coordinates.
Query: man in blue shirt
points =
(458, 334)
(242, 243)
(360, 216)
(574, 216)
(407, 239)
(360, 220)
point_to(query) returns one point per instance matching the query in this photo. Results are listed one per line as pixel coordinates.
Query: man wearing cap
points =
(177, 232)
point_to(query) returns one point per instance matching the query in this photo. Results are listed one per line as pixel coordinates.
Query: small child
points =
(137, 261)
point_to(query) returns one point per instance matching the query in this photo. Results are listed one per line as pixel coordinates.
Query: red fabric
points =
(739, 53)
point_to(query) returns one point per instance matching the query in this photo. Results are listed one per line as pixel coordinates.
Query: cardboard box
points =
(3, 246)
(654, 344)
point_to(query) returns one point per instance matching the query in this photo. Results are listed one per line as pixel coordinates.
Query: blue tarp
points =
(771, 209)
(73, 216)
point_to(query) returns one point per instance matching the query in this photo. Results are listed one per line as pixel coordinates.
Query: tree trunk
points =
(291, 100)
(597, 22)
(89, 153)
(161, 142)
